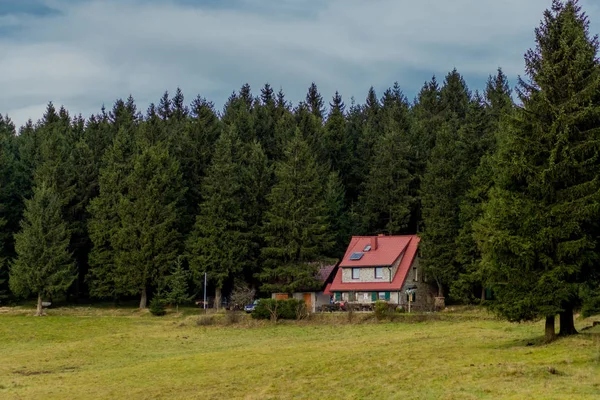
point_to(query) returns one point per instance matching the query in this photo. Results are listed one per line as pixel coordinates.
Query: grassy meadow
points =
(91, 353)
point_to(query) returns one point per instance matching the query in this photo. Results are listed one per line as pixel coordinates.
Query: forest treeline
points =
(253, 193)
(503, 195)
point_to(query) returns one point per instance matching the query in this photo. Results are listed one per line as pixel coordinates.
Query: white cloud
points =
(92, 52)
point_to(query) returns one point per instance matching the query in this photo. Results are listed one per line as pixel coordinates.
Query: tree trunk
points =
(550, 333)
(217, 298)
(143, 299)
(482, 294)
(567, 325)
(440, 290)
(38, 313)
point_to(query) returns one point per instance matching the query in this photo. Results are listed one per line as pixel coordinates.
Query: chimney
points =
(373, 242)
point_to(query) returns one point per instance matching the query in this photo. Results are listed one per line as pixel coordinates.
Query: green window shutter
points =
(338, 296)
(374, 296)
(387, 296)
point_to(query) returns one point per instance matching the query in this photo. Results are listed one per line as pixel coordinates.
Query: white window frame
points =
(381, 295)
(357, 273)
(380, 276)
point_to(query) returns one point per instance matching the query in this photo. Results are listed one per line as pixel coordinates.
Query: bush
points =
(233, 317)
(157, 307)
(279, 309)
(381, 310)
(206, 320)
(261, 311)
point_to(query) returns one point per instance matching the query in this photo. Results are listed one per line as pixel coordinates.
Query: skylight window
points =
(356, 256)
(367, 248)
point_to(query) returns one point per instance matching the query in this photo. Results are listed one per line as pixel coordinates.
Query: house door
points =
(307, 301)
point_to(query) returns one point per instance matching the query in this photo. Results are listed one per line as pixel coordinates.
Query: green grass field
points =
(84, 353)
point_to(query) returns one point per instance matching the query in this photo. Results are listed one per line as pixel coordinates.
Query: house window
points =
(381, 295)
(416, 274)
(379, 273)
(355, 273)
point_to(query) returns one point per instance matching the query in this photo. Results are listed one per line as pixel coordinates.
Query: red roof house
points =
(379, 268)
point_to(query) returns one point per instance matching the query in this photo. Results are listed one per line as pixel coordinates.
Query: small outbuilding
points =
(314, 299)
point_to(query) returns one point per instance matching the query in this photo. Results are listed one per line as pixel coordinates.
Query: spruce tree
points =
(496, 109)
(445, 179)
(256, 180)
(238, 114)
(337, 217)
(12, 186)
(218, 244)
(427, 119)
(104, 221)
(538, 234)
(315, 102)
(336, 144)
(296, 228)
(386, 199)
(197, 149)
(265, 117)
(311, 129)
(146, 241)
(441, 191)
(177, 285)
(356, 162)
(43, 265)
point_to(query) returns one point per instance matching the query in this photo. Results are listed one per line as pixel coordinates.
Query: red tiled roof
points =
(388, 250)
(393, 247)
(327, 290)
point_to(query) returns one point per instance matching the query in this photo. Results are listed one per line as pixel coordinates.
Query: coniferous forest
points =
(502, 185)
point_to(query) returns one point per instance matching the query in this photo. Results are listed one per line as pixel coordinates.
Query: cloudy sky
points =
(85, 53)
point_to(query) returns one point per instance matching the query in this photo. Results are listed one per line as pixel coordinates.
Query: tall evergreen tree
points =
(337, 217)
(218, 244)
(311, 129)
(256, 180)
(315, 102)
(386, 200)
(43, 265)
(427, 120)
(497, 108)
(237, 114)
(454, 96)
(296, 226)
(442, 190)
(265, 117)
(336, 144)
(146, 241)
(355, 173)
(539, 231)
(104, 221)
(197, 149)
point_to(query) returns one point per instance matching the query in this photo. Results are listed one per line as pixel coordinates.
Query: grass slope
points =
(122, 354)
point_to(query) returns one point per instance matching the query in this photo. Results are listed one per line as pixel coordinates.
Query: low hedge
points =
(285, 309)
